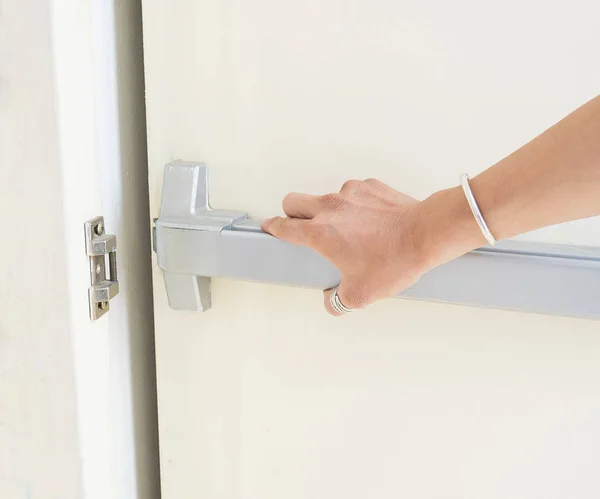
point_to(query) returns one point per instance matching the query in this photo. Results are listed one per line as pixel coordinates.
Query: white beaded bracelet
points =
(464, 181)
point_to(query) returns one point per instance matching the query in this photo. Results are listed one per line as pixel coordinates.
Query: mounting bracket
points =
(104, 286)
(194, 243)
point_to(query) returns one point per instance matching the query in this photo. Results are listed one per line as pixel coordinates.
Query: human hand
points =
(383, 241)
(368, 231)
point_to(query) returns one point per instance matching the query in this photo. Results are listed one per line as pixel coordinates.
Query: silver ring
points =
(337, 304)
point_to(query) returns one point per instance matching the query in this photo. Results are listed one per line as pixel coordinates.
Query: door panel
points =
(266, 396)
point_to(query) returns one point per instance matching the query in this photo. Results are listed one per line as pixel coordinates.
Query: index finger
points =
(292, 230)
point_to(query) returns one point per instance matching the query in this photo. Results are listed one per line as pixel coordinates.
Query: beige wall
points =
(265, 396)
(77, 399)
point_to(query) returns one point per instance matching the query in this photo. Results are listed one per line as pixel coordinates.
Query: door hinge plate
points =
(101, 249)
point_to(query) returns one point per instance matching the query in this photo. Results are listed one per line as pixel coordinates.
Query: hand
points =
(383, 241)
(367, 231)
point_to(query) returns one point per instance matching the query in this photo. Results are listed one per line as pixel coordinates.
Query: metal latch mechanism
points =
(101, 247)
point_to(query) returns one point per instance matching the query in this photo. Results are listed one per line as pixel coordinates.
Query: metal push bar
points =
(194, 243)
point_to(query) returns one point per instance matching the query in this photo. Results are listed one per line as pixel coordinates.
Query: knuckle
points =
(331, 200)
(351, 185)
(373, 181)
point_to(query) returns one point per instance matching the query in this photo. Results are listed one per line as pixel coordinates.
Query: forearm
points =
(554, 178)
(383, 240)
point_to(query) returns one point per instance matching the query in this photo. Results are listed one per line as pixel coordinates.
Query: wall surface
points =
(265, 396)
(77, 399)
(39, 449)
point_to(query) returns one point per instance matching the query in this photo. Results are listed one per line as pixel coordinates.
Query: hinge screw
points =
(103, 305)
(99, 229)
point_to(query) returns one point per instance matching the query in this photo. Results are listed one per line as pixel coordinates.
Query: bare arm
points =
(383, 241)
(554, 178)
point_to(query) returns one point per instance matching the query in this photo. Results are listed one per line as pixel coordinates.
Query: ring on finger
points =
(336, 303)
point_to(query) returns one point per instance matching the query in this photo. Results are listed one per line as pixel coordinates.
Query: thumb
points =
(292, 230)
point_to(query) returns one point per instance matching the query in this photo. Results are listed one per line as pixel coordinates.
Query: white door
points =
(265, 396)
(77, 397)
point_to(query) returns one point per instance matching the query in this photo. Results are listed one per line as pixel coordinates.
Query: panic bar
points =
(194, 243)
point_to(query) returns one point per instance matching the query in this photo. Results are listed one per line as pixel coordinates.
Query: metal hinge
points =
(101, 247)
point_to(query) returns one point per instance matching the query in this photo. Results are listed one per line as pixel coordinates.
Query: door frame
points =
(100, 123)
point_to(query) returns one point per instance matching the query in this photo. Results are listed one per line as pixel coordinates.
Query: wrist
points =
(445, 228)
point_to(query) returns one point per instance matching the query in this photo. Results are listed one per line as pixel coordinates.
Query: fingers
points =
(298, 205)
(369, 190)
(352, 294)
(351, 187)
(377, 184)
(292, 230)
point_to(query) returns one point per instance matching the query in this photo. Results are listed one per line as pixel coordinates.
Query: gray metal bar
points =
(531, 277)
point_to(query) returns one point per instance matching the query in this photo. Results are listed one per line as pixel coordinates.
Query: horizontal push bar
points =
(194, 243)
